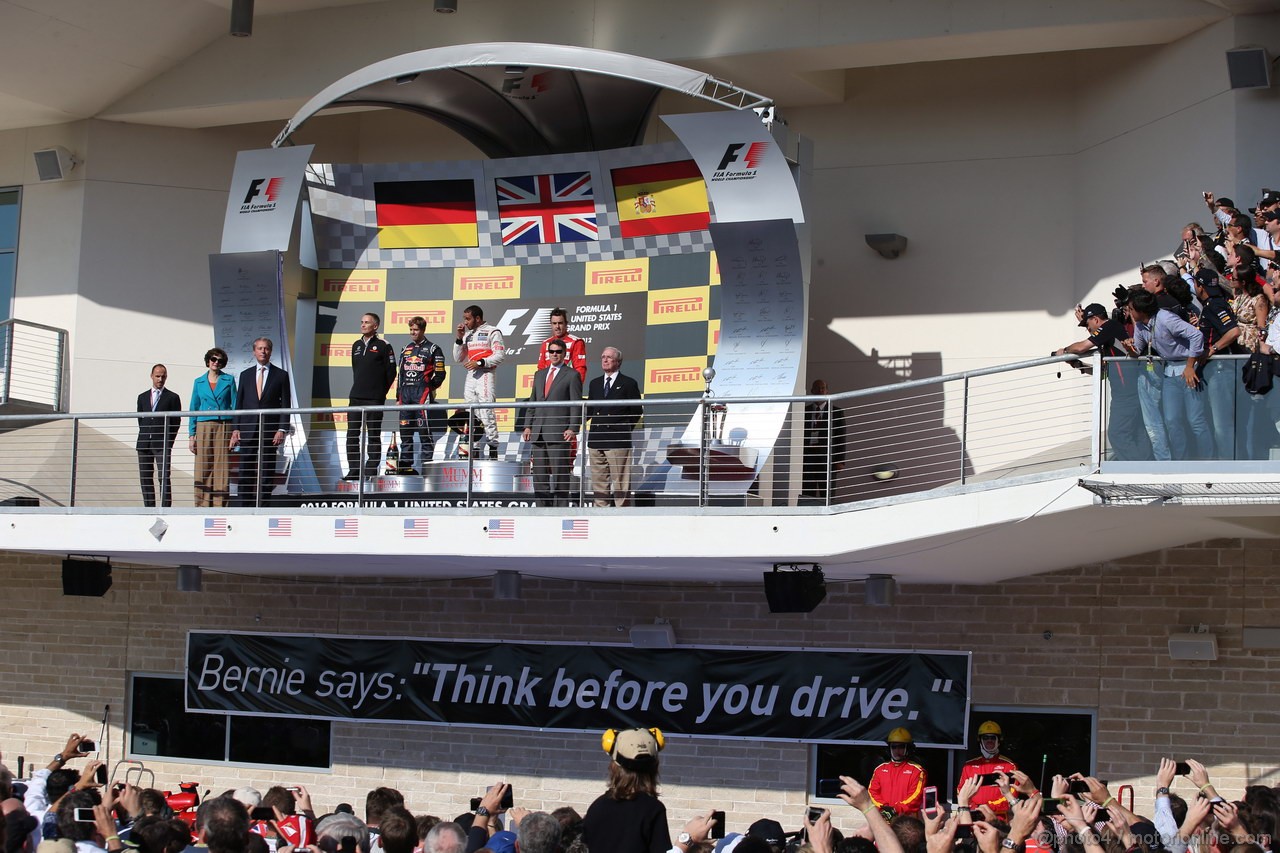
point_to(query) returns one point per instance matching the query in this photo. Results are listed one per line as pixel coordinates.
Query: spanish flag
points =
(663, 198)
(426, 214)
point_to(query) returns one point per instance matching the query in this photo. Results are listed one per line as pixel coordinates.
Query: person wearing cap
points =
(1221, 208)
(1269, 202)
(989, 762)
(770, 832)
(1267, 239)
(629, 817)
(763, 836)
(1218, 322)
(897, 785)
(1126, 432)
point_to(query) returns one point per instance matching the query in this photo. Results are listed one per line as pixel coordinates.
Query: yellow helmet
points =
(990, 727)
(899, 735)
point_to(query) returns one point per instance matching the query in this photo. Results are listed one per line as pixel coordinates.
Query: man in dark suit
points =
(552, 428)
(824, 444)
(155, 437)
(609, 440)
(263, 386)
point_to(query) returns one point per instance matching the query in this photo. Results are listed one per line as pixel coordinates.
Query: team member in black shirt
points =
(1126, 432)
(373, 369)
(1218, 323)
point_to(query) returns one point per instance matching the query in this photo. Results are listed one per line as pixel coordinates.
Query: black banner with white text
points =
(783, 694)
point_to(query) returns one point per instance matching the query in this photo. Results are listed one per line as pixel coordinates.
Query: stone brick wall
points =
(1093, 637)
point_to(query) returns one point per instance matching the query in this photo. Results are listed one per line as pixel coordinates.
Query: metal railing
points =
(1151, 414)
(979, 426)
(32, 363)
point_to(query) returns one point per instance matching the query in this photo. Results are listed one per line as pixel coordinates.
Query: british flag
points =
(557, 208)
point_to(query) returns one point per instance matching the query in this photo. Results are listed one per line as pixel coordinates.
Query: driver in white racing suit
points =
(479, 348)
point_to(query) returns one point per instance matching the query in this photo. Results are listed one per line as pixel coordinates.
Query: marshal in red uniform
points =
(898, 784)
(991, 761)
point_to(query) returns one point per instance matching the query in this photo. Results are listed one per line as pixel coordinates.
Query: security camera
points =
(888, 245)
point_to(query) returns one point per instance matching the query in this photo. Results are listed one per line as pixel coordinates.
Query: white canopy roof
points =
(514, 99)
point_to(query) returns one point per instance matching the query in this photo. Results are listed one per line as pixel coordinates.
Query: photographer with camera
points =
(1125, 430)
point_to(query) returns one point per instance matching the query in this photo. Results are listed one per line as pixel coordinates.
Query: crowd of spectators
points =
(61, 810)
(1217, 296)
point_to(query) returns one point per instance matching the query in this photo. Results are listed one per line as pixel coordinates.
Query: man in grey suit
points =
(552, 428)
(263, 386)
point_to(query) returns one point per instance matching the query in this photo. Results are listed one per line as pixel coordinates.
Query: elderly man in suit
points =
(552, 428)
(259, 435)
(609, 440)
(156, 435)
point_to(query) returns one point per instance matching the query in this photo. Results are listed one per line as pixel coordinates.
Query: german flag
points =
(426, 214)
(662, 198)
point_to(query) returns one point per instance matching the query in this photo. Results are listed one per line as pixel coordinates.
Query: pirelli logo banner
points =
(436, 313)
(835, 695)
(480, 283)
(333, 350)
(674, 375)
(679, 305)
(336, 286)
(329, 420)
(630, 275)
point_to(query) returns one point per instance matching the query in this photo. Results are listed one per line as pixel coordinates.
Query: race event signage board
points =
(813, 695)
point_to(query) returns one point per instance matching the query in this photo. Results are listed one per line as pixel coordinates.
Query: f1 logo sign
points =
(255, 186)
(730, 154)
(755, 153)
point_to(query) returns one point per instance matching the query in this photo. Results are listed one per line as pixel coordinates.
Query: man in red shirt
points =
(898, 784)
(989, 762)
(576, 357)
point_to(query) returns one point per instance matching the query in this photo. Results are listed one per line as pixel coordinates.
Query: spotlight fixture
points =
(446, 7)
(189, 578)
(883, 471)
(1196, 644)
(791, 589)
(241, 18)
(889, 246)
(880, 590)
(659, 635)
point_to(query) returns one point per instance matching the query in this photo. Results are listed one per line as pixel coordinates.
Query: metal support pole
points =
(75, 447)
(1096, 440)
(257, 479)
(827, 455)
(8, 361)
(582, 455)
(471, 452)
(363, 438)
(964, 426)
(704, 446)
